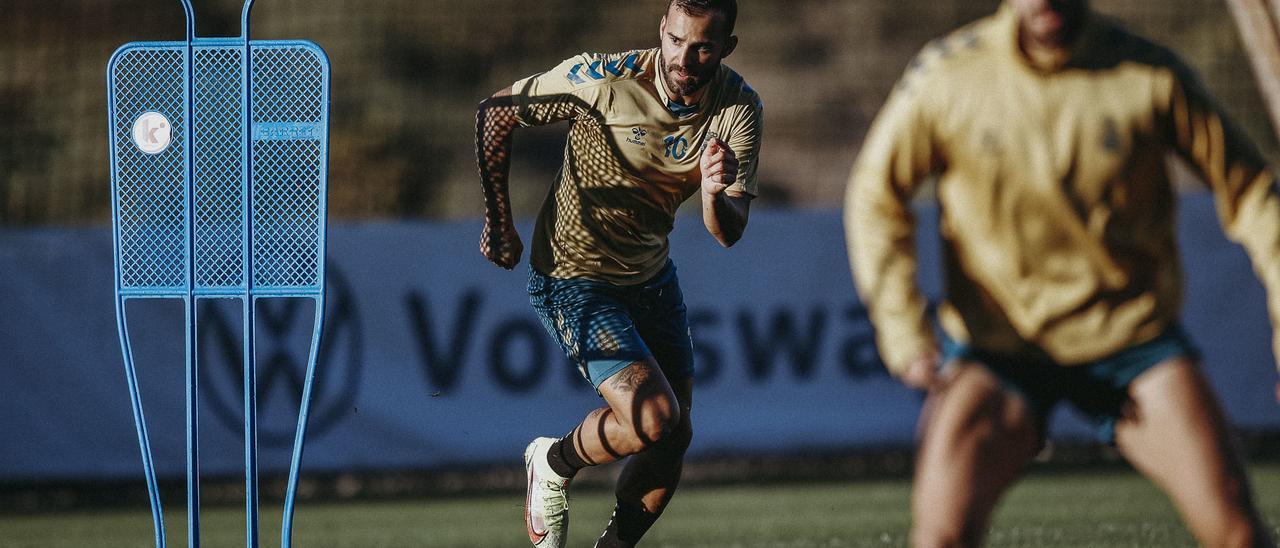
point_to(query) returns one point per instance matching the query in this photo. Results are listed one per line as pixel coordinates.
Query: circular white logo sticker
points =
(152, 132)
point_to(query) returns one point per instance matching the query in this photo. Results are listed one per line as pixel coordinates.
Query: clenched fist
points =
(719, 167)
(501, 246)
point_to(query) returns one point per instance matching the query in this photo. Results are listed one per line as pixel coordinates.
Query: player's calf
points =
(645, 487)
(656, 421)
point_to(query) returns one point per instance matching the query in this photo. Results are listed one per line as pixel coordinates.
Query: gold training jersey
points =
(630, 160)
(1057, 214)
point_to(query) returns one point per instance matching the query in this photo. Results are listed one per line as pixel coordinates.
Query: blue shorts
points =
(1099, 389)
(604, 327)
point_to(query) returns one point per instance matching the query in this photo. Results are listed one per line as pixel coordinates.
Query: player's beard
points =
(682, 82)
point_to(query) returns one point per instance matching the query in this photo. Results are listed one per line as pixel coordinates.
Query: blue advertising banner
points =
(433, 357)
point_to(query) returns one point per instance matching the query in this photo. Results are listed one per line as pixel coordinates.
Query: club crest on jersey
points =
(596, 70)
(637, 136)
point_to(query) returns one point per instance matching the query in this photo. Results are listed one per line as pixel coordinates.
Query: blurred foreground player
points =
(649, 129)
(1048, 127)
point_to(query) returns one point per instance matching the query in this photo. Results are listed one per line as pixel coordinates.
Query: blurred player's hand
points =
(501, 246)
(719, 167)
(922, 372)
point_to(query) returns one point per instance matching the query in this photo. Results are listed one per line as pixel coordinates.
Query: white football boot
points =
(546, 506)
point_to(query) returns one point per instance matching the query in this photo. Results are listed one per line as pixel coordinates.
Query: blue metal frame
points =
(187, 249)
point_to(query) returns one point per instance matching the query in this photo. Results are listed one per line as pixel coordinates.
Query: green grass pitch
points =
(1076, 508)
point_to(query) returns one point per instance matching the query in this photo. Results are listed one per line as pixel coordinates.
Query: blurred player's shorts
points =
(603, 327)
(1099, 389)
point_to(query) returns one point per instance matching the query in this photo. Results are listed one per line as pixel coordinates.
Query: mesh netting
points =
(218, 143)
(289, 90)
(288, 87)
(151, 194)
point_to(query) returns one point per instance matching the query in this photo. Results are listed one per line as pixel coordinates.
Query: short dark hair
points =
(728, 8)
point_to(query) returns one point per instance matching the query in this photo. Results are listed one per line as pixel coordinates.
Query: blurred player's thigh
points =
(977, 438)
(1175, 433)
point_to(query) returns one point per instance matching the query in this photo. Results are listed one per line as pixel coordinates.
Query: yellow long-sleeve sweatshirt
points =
(1057, 214)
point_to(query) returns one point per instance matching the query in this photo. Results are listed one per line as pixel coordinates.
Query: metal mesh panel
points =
(286, 213)
(217, 143)
(289, 85)
(151, 201)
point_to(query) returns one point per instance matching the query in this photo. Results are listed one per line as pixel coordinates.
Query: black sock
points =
(564, 458)
(629, 523)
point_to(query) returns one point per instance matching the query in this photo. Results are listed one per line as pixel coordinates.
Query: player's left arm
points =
(1244, 187)
(724, 211)
(729, 177)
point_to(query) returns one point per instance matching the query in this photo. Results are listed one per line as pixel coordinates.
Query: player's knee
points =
(678, 440)
(998, 422)
(659, 419)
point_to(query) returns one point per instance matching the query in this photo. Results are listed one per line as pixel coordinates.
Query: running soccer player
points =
(649, 129)
(1048, 126)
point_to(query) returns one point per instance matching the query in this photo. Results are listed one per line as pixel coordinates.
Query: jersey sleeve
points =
(561, 93)
(897, 155)
(744, 141)
(1244, 188)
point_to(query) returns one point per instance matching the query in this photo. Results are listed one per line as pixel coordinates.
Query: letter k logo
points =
(152, 133)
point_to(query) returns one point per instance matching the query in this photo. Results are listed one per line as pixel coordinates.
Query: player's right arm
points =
(495, 124)
(558, 94)
(897, 155)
